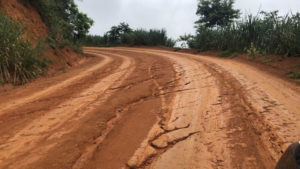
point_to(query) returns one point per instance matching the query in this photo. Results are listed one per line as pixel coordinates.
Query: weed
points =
(177, 49)
(65, 69)
(267, 60)
(228, 53)
(267, 33)
(293, 75)
(225, 53)
(234, 55)
(252, 51)
(19, 60)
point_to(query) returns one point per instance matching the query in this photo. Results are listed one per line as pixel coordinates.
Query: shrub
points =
(64, 20)
(19, 60)
(293, 75)
(124, 35)
(226, 53)
(252, 51)
(268, 32)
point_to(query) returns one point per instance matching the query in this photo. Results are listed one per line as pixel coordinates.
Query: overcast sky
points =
(176, 16)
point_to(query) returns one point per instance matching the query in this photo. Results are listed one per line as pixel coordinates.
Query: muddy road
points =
(153, 109)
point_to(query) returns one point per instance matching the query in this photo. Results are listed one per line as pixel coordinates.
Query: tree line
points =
(125, 36)
(221, 28)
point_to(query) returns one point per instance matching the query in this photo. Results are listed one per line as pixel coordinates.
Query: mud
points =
(144, 108)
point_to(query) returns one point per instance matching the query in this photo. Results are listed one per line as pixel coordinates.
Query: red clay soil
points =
(35, 30)
(276, 65)
(34, 27)
(145, 108)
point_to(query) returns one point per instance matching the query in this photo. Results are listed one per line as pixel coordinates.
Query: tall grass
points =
(19, 60)
(267, 32)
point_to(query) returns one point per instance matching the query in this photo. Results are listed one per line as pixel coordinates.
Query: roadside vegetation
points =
(22, 61)
(220, 28)
(68, 26)
(123, 35)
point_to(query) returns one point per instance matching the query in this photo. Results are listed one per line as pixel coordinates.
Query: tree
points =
(64, 19)
(116, 32)
(124, 28)
(216, 13)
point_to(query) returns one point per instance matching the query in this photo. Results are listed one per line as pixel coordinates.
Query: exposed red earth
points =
(153, 109)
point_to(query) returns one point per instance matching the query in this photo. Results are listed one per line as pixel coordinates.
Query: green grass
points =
(266, 33)
(228, 54)
(267, 60)
(293, 75)
(177, 49)
(233, 55)
(224, 53)
(20, 61)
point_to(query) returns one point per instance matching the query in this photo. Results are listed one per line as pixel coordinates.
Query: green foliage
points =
(115, 33)
(185, 37)
(228, 53)
(267, 60)
(267, 33)
(293, 75)
(177, 49)
(64, 19)
(124, 35)
(225, 53)
(216, 12)
(96, 40)
(234, 55)
(19, 60)
(252, 51)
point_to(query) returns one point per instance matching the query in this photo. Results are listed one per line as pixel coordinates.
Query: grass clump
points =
(293, 75)
(20, 61)
(177, 49)
(225, 53)
(265, 33)
(228, 53)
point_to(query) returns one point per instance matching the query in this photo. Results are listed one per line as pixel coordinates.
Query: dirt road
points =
(154, 109)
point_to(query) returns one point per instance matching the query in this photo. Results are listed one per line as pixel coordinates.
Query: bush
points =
(293, 75)
(124, 35)
(19, 60)
(268, 33)
(63, 19)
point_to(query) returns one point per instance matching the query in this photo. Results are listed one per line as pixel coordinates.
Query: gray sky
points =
(176, 16)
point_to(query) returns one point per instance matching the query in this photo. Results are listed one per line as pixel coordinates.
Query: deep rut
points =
(153, 109)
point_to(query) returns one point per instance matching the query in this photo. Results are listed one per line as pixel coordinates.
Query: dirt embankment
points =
(36, 30)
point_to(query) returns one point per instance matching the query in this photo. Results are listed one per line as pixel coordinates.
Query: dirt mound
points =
(35, 29)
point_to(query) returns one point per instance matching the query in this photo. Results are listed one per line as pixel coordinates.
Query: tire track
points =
(210, 115)
(15, 119)
(141, 105)
(176, 125)
(243, 139)
(47, 127)
(25, 100)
